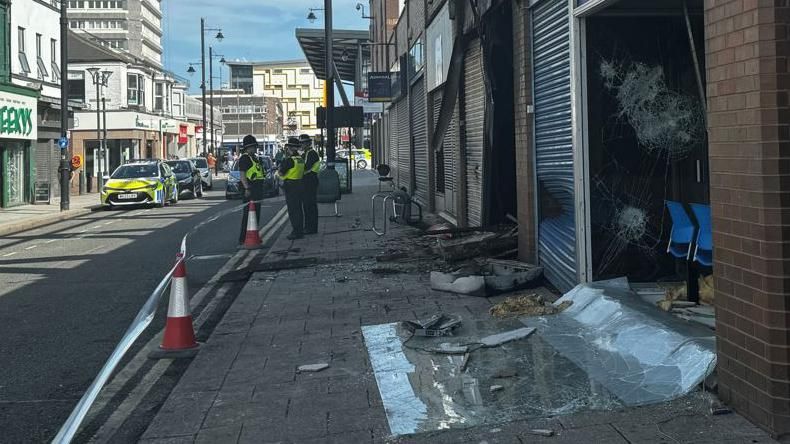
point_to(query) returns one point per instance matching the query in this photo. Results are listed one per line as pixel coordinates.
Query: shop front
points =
(18, 131)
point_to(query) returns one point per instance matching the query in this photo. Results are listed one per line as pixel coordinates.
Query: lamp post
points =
(211, 57)
(65, 168)
(330, 78)
(100, 79)
(219, 37)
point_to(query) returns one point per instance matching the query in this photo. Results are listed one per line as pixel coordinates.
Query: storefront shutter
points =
(554, 141)
(404, 145)
(474, 110)
(450, 151)
(420, 138)
(44, 161)
(393, 138)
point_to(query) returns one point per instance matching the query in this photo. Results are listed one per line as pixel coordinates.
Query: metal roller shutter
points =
(404, 145)
(450, 149)
(393, 141)
(44, 161)
(554, 140)
(420, 137)
(474, 111)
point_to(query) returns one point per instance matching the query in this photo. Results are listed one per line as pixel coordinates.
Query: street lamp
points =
(330, 75)
(219, 36)
(311, 16)
(211, 57)
(100, 79)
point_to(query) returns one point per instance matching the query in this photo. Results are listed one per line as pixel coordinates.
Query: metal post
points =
(203, 76)
(211, 96)
(104, 135)
(330, 74)
(65, 167)
(221, 96)
(100, 163)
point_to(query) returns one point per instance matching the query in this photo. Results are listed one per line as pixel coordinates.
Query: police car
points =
(143, 182)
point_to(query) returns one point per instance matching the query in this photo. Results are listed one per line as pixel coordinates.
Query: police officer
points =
(291, 170)
(251, 174)
(312, 163)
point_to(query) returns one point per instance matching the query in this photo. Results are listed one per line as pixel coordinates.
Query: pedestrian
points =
(212, 163)
(252, 175)
(312, 164)
(291, 170)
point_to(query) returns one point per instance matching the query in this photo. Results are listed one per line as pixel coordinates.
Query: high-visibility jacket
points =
(316, 167)
(255, 172)
(296, 172)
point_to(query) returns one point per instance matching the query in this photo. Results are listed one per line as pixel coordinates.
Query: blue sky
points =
(254, 29)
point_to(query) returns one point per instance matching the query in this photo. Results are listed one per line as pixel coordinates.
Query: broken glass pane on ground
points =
(604, 352)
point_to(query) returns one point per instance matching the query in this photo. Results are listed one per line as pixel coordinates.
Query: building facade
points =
(561, 114)
(30, 93)
(133, 26)
(293, 82)
(243, 114)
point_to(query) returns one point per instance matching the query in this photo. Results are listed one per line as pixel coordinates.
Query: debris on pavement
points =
(436, 325)
(341, 279)
(541, 432)
(527, 305)
(502, 338)
(312, 368)
(495, 388)
(492, 277)
(477, 245)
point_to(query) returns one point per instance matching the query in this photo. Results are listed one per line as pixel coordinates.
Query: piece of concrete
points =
(312, 368)
(502, 338)
(495, 388)
(541, 432)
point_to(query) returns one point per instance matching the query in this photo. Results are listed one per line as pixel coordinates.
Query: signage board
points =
(367, 106)
(182, 134)
(18, 117)
(379, 87)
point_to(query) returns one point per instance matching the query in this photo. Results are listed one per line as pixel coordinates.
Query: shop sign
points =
(379, 87)
(18, 117)
(182, 134)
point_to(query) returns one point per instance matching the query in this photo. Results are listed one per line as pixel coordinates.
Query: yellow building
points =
(292, 81)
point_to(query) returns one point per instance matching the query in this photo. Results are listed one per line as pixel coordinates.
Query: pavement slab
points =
(317, 313)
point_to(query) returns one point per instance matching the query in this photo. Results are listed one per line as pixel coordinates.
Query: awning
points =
(345, 49)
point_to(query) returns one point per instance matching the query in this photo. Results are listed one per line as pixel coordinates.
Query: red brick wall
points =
(749, 135)
(525, 179)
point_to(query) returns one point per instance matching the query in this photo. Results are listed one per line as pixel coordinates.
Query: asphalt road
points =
(68, 292)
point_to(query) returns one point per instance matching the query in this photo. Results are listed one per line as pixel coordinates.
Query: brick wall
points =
(523, 129)
(749, 136)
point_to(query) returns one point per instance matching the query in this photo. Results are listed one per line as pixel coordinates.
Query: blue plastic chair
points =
(682, 234)
(703, 252)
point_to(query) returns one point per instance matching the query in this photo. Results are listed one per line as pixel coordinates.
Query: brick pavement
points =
(243, 386)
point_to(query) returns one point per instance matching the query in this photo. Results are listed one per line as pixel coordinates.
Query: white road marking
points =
(50, 241)
(31, 247)
(9, 254)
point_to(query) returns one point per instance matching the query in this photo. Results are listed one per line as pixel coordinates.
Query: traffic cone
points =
(252, 240)
(179, 338)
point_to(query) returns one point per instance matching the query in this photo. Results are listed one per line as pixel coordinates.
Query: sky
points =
(255, 30)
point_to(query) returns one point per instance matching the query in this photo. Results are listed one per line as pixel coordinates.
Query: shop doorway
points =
(646, 134)
(14, 181)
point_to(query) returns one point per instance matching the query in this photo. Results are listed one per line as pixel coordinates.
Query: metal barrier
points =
(137, 327)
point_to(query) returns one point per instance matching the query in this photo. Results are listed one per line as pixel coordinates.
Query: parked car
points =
(188, 177)
(205, 172)
(271, 185)
(144, 182)
(360, 157)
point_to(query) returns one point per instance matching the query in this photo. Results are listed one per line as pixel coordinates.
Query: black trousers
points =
(293, 199)
(256, 194)
(309, 204)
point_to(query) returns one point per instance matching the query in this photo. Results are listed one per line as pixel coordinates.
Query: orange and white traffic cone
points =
(179, 338)
(252, 239)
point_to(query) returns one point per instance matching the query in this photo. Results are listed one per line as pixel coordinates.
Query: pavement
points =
(70, 289)
(306, 303)
(25, 217)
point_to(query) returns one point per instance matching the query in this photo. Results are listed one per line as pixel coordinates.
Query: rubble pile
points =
(527, 305)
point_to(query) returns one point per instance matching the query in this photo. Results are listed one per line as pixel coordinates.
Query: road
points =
(68, 292)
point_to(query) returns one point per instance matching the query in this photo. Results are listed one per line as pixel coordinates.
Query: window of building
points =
(53, 58)
(305, 71)
(42, 67)
(25, 66)
(76, 81)
(416, 57)
(135, 89)
(5, 56)
(159, 96)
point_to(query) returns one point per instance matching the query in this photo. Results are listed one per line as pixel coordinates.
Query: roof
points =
(343, 41)
(293, 62)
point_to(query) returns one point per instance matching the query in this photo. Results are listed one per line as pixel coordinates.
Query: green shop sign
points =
(16, 121)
